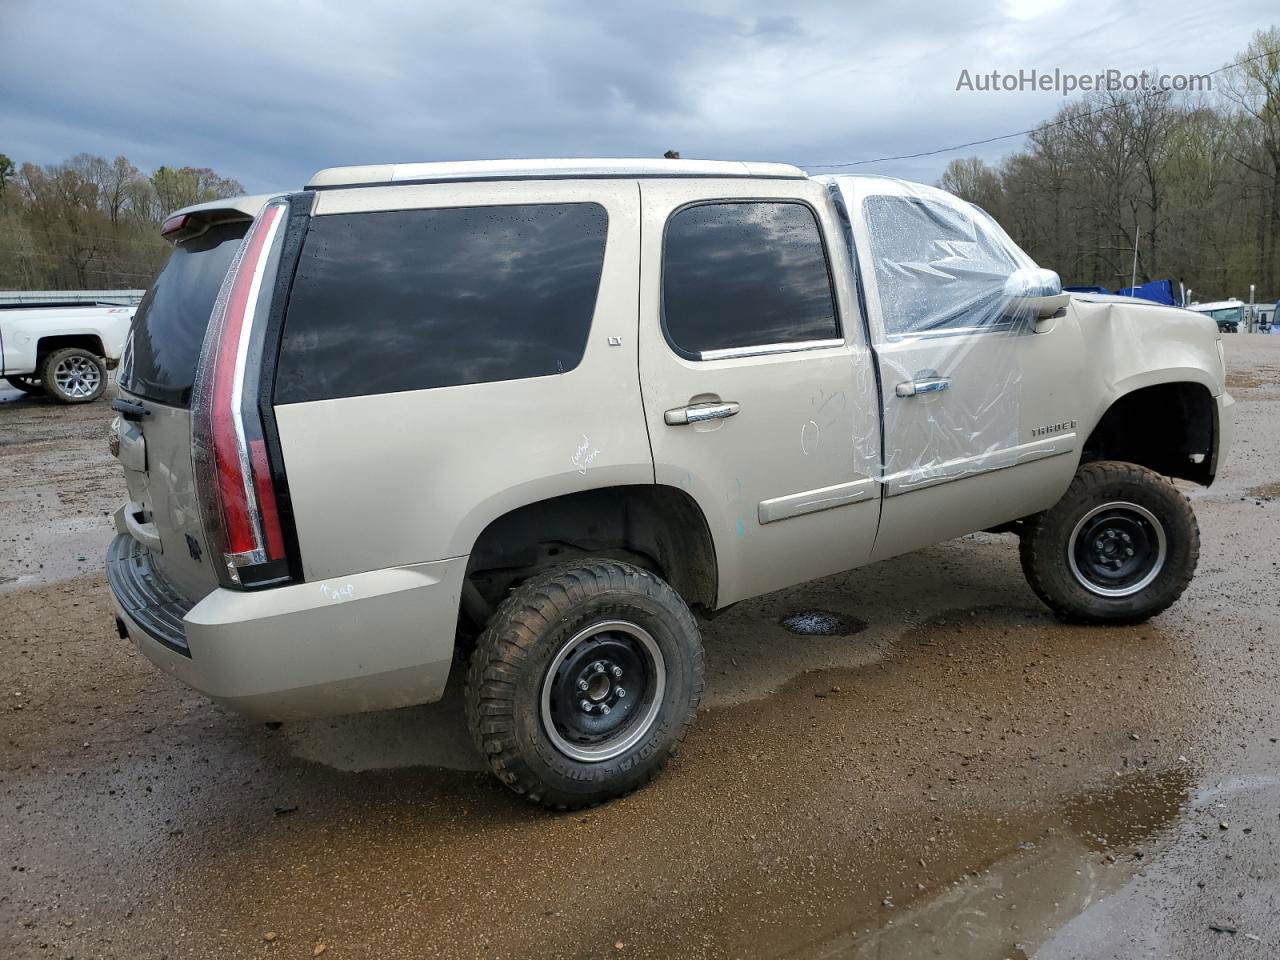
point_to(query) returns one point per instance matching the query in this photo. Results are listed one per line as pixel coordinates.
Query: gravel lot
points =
(964, 777)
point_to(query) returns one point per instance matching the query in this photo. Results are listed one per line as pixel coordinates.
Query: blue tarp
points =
(1087, 290)
(1160, 291)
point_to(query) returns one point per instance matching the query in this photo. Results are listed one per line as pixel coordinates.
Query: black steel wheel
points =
(603, 690)
(1117, 549)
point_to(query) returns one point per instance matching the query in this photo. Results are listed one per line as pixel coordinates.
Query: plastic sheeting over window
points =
(950, 298)
(936, 266)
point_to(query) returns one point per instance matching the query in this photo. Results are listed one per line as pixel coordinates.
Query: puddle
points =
(56, 551)
(821, 623)
(1099, 840)
(1266, 491)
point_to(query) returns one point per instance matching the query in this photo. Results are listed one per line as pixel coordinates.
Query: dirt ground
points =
(965, 777)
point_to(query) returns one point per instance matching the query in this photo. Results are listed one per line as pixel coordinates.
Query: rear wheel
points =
(1119, 547)
(25, 384)
(73, 375)
(584, 683)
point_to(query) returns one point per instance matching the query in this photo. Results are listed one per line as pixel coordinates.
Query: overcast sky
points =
(270, 91)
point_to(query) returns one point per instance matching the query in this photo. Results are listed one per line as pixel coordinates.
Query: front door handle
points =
(699, 413)
(911, 388)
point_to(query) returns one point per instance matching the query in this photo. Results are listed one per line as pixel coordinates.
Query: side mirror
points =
(1032, 291)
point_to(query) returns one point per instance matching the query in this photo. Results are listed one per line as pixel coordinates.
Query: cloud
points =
(269, 91)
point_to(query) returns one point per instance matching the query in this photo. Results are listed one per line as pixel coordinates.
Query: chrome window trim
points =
(765, 349)
(941, 332)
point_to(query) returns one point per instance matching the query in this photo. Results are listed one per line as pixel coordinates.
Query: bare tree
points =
(1254, 88)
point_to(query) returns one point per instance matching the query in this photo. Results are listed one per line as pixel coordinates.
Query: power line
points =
(1022, 133)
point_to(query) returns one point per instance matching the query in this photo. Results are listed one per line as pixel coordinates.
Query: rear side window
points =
(745, 274)
(168, 329)
(414, 299)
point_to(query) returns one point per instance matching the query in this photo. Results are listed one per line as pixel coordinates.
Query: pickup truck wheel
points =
(73, 375)
(25, 384)
(1119, 547)
(584, 683)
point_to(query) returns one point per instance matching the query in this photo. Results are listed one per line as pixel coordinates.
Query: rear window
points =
(168, 329)
(745, 274)
(415, 299)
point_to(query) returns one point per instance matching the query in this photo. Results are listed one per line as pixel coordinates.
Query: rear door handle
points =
(699, 413)
(911, 388)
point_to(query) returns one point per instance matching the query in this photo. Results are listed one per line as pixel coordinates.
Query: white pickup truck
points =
(62, 346)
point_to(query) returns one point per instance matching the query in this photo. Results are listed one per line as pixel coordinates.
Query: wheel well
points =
(1167, 427)
(655, 527)
(85, 341)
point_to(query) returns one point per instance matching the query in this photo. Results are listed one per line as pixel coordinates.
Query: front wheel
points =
(584, 683)
(1119, 547)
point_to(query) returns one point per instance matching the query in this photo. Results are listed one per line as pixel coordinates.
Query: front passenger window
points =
(936, 267)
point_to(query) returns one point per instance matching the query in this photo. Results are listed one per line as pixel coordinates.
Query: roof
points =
(388, 173)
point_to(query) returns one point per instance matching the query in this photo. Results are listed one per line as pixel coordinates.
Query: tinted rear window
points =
(414, 299)
(168, 329)
(745, 274)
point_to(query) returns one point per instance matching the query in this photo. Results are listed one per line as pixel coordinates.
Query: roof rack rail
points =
(386, 174)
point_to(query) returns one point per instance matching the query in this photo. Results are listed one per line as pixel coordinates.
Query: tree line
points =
(91, 223)
(1193, 181)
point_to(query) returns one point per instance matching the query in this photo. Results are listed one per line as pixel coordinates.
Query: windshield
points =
(168, 329)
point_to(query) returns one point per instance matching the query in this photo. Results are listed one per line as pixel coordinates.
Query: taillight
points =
(237, 493)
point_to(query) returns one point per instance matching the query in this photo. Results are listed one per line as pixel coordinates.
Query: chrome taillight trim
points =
(224, 435)
(273, 214)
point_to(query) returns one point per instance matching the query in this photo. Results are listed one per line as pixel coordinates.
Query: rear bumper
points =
(371, 641)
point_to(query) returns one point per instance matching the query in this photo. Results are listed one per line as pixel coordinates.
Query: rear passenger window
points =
(413, 299)
(745, 274)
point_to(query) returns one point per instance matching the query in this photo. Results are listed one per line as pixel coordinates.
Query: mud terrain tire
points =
(1119, 547)
(556, 652)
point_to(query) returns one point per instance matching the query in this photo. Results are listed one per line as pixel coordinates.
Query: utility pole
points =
(1133, 282)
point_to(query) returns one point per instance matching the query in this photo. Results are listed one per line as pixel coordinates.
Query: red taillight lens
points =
(273, 536)
(238, 496)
